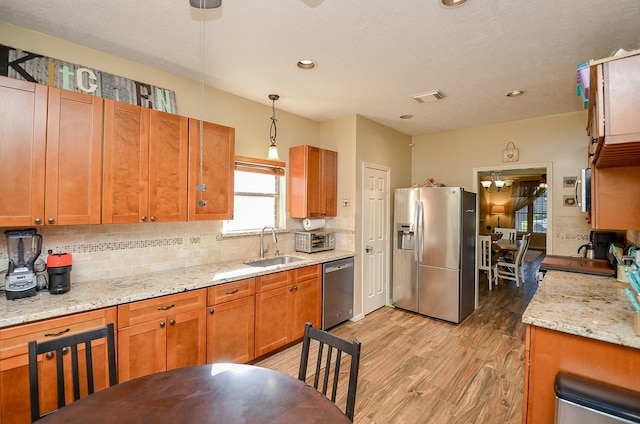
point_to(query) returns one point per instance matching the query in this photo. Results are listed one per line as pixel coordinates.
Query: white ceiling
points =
(373, 55)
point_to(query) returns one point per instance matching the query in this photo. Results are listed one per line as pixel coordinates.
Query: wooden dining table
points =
(501, 246)
(217, 393)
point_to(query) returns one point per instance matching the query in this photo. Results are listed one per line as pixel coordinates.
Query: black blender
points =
(23, 247)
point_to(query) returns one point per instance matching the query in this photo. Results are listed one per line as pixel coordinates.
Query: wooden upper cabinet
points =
(145, 165)
(168, 162)
(214, 170)
(73, 158)
(614, 102)
(615, 198)
(313, 182)
(23, 121)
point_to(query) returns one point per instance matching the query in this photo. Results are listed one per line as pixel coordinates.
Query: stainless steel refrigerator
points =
(434, 251)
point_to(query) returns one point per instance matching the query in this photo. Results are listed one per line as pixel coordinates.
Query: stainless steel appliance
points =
(309, 242)
(583, 187)
(337, 292)
(434, 250)
(23, 247)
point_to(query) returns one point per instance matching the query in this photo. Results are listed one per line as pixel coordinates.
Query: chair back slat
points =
(61, 346)
(329, 365)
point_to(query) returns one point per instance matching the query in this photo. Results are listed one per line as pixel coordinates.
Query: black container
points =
(59, 279)
(601, 241)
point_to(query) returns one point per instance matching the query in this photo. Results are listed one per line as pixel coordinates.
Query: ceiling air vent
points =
(429, 96)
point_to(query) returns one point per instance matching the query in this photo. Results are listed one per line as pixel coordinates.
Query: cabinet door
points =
(187, 339)
(142, 350)
(215, 171)
(74, 158)
(615, 198)
(330, 182)
(231, 331)
(306, 306)
(126, 164)
(168, 161)
(23, 122)
(273, 320)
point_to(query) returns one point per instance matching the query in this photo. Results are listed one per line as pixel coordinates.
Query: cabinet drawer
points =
(151, 309)
(307, 273)
(231, 291)
(14, 340)
(273, 281)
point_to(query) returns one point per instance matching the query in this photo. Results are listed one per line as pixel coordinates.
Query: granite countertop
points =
(584, 305)
(92, 295)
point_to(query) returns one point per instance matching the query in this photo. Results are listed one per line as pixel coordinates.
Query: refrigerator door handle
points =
(419, 223)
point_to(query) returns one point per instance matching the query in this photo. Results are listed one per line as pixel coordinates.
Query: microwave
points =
(583, 190)
(309, 242)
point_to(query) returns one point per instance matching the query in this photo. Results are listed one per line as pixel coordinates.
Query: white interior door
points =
(375, 237)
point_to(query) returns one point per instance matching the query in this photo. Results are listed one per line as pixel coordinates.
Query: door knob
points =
(368, 249)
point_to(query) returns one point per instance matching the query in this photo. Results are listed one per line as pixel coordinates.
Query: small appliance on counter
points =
(23, 247)
(59, 268)
(309, 242)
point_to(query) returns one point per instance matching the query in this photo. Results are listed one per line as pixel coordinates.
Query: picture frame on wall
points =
(569, 182)
(569, 201)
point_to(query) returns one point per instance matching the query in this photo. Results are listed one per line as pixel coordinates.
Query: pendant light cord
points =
(201, 187)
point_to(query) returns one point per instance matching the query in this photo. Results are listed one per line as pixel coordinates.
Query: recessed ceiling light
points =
(515, 93)
(406, 116)
(453, 3)
(306, 64)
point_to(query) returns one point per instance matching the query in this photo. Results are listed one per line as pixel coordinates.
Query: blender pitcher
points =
(23, 248)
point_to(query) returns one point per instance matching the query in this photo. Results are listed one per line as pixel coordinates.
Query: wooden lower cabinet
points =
(282, 312)
(14, 362)
(230, 331)
(160, 334)
(548, 351)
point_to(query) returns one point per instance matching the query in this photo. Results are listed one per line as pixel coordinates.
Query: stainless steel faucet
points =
(275, 240)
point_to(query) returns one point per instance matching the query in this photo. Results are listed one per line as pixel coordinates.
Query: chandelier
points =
(496, 183)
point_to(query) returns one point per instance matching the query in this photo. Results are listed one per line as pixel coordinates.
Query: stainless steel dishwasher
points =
(337, 292)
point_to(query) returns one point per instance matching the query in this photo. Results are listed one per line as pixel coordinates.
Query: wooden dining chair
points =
(513, 268)
(484, 258)
(324, 367)
(507, 233)
(58, 348)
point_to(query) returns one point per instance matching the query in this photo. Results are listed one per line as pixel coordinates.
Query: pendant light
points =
(273, 130)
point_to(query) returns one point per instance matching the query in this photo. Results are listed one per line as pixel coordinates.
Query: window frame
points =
(261, 166)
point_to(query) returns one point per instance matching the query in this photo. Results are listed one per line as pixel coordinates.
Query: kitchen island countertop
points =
(584, 305)
(92, 295)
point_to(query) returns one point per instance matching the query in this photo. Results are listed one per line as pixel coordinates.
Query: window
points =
(258, 196)
(533, 216)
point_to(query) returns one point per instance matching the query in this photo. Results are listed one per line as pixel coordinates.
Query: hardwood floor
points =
(414, 369)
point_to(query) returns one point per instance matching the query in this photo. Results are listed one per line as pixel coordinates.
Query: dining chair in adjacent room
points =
(507, 233)
(323, 368)
(58, 348)
(484, 258)
(513, 268)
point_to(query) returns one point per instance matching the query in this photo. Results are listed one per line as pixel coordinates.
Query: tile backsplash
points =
(111, 251)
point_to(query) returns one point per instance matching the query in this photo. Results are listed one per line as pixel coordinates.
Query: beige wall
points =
(450, 158)
(382, 146)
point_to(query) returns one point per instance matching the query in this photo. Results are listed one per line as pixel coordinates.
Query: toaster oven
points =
(309, 242)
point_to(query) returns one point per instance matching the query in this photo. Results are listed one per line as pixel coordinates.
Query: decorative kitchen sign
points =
(510, 154)
(20, 64)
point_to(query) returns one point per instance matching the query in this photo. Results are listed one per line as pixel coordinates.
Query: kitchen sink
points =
(276, 260)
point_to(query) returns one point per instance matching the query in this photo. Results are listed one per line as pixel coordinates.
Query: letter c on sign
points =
(91, 76)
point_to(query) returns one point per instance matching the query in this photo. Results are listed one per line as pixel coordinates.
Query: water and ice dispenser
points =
(405, 237)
